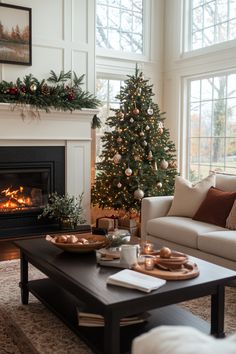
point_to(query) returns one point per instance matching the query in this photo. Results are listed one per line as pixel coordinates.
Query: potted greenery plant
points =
(66, 210)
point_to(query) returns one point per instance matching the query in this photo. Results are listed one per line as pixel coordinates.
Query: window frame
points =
(186, 120)
(145, 56)
(186, 26)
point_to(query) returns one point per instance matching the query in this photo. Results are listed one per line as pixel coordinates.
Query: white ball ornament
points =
(164, 164)
(119, 185)
(131, 120)
(147, 127)
(138, 194)
(150, 111)
(159, 185)
(128, 172)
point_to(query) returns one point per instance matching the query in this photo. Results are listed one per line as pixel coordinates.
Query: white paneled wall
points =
(63, 38)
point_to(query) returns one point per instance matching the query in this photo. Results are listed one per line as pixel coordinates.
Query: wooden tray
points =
(189, 270)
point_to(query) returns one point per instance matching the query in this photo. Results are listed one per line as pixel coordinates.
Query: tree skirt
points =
(33, 329)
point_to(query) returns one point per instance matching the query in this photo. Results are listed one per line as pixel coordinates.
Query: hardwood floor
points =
(8, 251)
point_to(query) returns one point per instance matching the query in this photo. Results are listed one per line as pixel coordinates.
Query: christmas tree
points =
(138, 158)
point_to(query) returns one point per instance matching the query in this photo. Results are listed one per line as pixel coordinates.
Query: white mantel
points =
(57, 128)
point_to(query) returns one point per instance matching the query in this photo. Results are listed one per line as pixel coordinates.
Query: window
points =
(211, 22)
(120, 25)
(212, 125)
(106, 92)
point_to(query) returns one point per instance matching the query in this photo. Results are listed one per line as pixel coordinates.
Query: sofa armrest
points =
(153, 207)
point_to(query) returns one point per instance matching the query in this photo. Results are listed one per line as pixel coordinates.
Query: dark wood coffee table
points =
(75, 278)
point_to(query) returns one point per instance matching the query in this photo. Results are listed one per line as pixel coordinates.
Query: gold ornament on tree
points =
(141, 133)
(138, 194)
(120, 115)
(45, 90)
(116, 158)
(164, 164)
(128, 172)
(150, 156)
(155, 166)
(33, 87)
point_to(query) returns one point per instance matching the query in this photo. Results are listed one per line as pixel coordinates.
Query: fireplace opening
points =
(28, 175)
(24, 191)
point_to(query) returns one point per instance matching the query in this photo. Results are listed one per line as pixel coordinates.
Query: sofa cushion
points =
(231, 219)
(216, 207)
(180, 230)
(226, 182)
(188, 197)
(219, 243)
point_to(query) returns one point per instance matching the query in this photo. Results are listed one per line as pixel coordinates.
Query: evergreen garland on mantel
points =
(62, 92)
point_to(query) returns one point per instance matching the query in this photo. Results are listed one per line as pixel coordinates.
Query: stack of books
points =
(87, 319)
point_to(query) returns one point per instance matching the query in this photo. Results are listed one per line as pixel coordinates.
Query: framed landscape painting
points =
(15, 35)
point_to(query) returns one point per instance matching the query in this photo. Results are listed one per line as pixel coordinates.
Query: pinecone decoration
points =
(45, 90)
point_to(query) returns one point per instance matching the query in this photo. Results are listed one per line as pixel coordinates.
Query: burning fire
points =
(14, 199)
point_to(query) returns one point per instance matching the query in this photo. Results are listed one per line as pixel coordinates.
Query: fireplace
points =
(21, 141)
(27, 176)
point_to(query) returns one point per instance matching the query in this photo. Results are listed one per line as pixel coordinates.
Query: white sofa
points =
(206, 241)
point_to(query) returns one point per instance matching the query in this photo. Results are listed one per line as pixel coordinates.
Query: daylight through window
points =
(212, 125)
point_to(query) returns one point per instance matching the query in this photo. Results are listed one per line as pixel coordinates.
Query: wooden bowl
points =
(95, 242)
(175, 261)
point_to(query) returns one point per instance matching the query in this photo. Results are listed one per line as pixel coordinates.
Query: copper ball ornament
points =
(136, 111)
(119, 140)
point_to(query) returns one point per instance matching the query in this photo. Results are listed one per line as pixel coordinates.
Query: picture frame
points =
(15, 34)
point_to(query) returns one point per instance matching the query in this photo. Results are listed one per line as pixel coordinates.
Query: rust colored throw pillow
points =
(216, 207)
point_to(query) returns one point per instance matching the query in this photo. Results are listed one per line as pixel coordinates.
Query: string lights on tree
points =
(138, 159)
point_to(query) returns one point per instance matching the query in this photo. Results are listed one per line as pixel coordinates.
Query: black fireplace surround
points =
(28, 174)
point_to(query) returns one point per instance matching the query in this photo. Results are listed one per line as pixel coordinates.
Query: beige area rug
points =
(33, 329)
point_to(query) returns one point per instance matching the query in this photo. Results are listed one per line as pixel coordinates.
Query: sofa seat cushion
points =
(219, 243)
(179, 229)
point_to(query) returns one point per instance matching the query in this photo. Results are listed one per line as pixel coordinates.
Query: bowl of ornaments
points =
(78, 243)
(167, 259)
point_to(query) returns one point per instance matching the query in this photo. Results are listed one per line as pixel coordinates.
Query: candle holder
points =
(149, 263)
(148, 248)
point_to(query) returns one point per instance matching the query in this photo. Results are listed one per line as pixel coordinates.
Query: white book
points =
(135, 280)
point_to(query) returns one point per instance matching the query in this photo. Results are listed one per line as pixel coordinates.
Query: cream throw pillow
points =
(231, 219)
(188, 197)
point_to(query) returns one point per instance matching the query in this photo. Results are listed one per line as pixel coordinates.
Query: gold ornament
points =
(164, 164)
(150, 156)
(147, 127)
(155, 166)
(33, 88)
(144, 143)
(120, 114)
(137, 158)
(159, 185)
(116, 158)
(160, 131)
(128, 172)
(138, 194)
(141, 133)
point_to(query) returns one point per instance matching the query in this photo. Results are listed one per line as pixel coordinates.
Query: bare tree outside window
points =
(212, 125)
(120, 25)
(211, 22)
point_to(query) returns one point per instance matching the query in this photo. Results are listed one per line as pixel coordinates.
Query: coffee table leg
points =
(24, 279)
(217, 312)
(111, 333)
